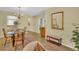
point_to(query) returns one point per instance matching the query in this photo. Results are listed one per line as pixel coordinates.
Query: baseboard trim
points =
(65, 45)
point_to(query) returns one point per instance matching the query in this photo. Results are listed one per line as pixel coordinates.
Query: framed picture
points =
(57, 20)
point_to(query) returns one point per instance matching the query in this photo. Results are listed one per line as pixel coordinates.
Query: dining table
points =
(14, 34)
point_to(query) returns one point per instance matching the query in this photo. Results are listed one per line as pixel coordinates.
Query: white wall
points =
(30, 20)
(71, 15)
(35, 24)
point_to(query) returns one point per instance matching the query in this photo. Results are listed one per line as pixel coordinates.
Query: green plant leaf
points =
(75, 37)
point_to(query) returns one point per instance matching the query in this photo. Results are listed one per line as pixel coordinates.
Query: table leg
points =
(13, 40)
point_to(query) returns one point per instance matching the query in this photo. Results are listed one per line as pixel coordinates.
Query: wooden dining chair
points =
(39, 47)
(6, 37)
(19, 39)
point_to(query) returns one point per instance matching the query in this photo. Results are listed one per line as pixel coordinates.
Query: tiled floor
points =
(31, 36)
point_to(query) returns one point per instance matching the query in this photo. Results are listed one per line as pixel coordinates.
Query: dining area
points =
(15, 37)
(13, 32)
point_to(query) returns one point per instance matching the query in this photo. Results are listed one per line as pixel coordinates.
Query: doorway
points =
(42, 27)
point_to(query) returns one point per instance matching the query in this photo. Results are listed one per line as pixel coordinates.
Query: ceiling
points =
(32, 11)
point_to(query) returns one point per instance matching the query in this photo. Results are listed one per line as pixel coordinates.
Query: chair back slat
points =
(4, 32)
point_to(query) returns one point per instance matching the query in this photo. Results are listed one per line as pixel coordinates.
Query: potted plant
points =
(75, 37)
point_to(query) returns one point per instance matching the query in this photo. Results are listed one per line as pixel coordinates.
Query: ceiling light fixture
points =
(19, 14)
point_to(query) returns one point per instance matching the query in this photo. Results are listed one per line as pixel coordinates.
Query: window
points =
(11, 20)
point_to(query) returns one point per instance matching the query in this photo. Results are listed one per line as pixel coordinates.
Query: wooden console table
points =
(42, 32)
(54, 39)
